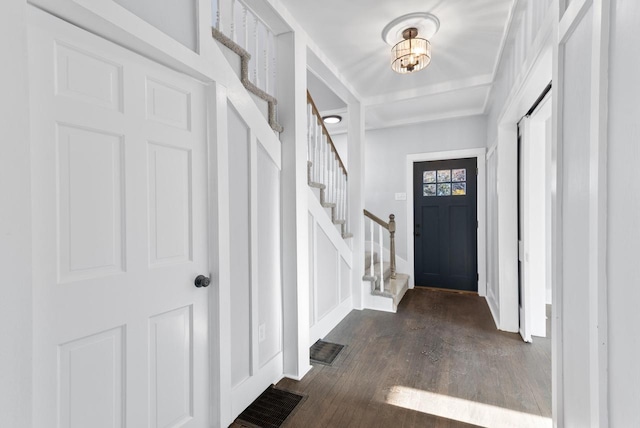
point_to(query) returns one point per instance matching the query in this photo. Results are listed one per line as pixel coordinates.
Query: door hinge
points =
(476, 170)
(477, 277)
(477, 224)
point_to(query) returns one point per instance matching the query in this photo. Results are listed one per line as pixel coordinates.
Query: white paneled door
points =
(119, 177)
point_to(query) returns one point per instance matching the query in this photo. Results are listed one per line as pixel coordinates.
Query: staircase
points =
(387, 286)
(328, 178)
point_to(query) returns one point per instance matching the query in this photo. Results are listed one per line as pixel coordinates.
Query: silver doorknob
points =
(202, 281)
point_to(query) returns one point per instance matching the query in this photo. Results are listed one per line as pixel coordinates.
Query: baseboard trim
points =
(492, 307)
(324, 326)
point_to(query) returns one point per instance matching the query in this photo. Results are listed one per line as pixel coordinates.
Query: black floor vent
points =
(270, 410)
(325, 352)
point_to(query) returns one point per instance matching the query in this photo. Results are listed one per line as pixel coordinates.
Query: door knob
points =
(202, 281)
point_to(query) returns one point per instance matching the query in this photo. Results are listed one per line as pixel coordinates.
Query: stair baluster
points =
(391, 228)
(381, 244)
(326, 170)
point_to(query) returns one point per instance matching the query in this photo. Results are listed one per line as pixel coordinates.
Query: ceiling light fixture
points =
(410, 53)
(332, 119)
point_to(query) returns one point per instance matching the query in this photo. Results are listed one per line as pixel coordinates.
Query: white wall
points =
(175, 18)
(624, 212)
(15, 224)
(256, 324)
(583, 375)
(340, 141)
(531, 19)
(386, 157)
(575, 198)
(292, 114)
(524, 70)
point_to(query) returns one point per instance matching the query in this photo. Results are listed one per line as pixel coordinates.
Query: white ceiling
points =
(465, 52)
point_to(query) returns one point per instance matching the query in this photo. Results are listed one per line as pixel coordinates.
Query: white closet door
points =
(119, 177)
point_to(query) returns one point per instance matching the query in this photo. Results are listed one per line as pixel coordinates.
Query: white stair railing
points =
(326, 169)
(376, 228)
(245, 28)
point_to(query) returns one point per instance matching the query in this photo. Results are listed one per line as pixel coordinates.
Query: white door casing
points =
(119, 198)
(525, 309)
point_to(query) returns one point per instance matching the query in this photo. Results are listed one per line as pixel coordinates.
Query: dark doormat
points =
(325, 352)
(270, 409)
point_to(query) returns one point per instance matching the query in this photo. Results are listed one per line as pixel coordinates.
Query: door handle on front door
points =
(202, 281)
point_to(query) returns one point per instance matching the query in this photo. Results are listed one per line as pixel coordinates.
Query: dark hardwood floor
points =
(438, 362)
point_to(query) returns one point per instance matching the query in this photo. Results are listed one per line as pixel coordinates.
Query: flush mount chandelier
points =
(410, 53)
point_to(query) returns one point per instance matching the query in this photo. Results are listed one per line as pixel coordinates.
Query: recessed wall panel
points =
(239, 209)
(170, 213)
(168, 104)
(345, 280)
(171, 368)
(312, 267)
(90, 203)
(92, 386)
(269, 275)
(327, 274)
(88, 78)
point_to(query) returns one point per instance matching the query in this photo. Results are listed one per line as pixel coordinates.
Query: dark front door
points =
(445, 229)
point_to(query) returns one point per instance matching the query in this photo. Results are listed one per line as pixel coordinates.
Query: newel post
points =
(392, 245)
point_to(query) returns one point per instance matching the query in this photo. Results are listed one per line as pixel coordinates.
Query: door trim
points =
(480, 154)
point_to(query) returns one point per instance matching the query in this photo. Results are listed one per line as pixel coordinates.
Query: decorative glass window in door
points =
(444, 182)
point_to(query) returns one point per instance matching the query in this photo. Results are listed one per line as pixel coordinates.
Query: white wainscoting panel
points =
(330, 265)
(240, 248)
(345, 280)
(269, 273)
(326, 259)
(312, 270)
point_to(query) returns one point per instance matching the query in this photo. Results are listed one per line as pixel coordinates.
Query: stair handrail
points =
(391, 228)
(377, 219)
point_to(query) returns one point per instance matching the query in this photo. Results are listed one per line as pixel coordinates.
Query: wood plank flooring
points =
(438, 362)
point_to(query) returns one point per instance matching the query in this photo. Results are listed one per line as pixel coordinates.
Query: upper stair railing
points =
(241, 30)
(326, 170)
(377, 228)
